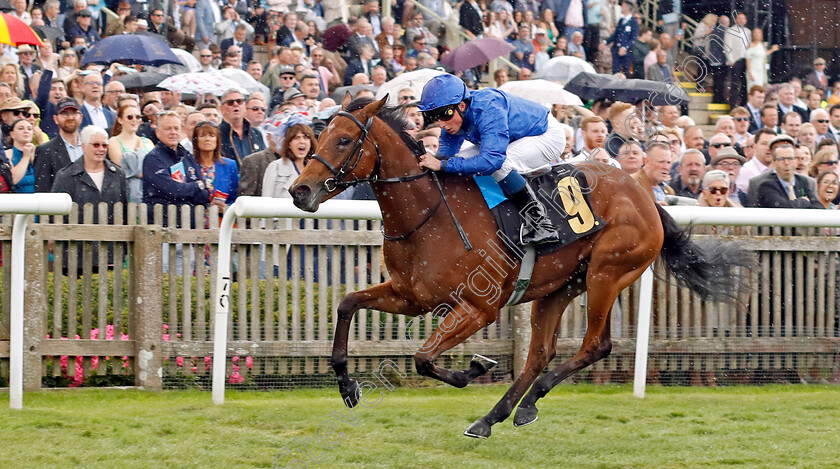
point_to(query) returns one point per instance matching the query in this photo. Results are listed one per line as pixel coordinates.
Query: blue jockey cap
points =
(443, 90)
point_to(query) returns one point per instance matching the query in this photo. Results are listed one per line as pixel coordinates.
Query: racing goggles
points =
(440, 114)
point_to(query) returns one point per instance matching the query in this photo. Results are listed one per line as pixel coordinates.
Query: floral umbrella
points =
(541, 91)
(199, 83)
(15, 32)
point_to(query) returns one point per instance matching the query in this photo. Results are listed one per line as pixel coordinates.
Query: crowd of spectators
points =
(174, 149)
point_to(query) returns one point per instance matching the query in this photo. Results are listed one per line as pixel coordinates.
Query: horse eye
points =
(343, 141)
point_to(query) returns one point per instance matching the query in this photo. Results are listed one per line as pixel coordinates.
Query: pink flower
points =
(207, 362)
(249, 362)
(94, 333)
(236, 378)
(179, 361)
(165, 326)
(194, 369)
(166, 337)
(235, 359)
(109, 332)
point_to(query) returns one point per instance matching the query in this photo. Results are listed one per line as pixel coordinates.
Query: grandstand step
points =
(718, 107)
(700, 116)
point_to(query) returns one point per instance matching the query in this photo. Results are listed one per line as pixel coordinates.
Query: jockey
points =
(511, 136)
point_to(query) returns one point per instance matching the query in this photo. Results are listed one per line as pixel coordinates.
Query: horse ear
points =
(346, 100)
(373, 108)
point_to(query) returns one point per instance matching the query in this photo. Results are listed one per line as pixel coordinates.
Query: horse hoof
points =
(479, 429)
(483, 362)
(351, 394)
(525, 416)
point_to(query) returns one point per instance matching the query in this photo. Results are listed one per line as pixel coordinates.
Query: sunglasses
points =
(719, 145)
(408, 98)
(718, 190)
(830, 162)
(231, 102)
(821, 121)
(729, 164)
(132, 117)
(441, 114)
(206, 56)
(742, 119)
(98, 145)
(257, 108)
(287, 77)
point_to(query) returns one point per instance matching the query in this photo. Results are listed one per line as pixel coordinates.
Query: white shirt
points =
(97, 115)
(98, 178)
(737, 40)
(751, 169)
(574, 15)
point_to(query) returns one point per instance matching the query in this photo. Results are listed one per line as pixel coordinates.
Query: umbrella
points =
(15, 32)
(200, 83)
(336, 37)
(563, 69)
(47, 32)
(415, 80)
(339, 92)
(475, 53)
(598, 86)
(244, 81)
(5, 5)
(131, 49)
(142, 81)
(541, 91)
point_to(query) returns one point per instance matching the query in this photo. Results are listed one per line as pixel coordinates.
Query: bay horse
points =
(430, 266)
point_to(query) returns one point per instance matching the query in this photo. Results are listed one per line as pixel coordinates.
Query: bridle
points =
(338, 182)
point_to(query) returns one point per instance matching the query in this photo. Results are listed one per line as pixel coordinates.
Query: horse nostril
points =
(300, 192)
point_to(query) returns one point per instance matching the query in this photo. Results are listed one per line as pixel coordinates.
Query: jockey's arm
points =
(495, 138)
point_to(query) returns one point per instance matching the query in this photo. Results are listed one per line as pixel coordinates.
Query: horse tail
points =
(707, 266)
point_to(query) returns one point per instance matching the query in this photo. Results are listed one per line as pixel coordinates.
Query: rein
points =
(338, 182)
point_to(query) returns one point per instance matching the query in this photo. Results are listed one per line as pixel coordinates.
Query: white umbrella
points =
(199, 83)
(244, 80)
(541, 91)
(190, 64)
(563, 69)
(415, 80)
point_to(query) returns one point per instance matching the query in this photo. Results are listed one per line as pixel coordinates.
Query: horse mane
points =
(394, 116)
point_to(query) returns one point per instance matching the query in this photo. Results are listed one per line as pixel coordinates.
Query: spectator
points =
(523, 54)
(62, 150)
(20, 155)
(238, 40)
(255, 111)
(730, 162)
(823, 160)
(787, 101)
(736, 40)
(11, 110)
(827, 189)
(715, 189)
(668, 115)
(641, 48)
(500, 77)
(430, 141)
(413, 114)
(286, 33)
(791, 123)
(93, 112)
(726, 125)
(626, 31)
(386, 37)
(171, 175)
(741, 118)
(718, 141)
(821, 122)
(674, 142)
(593, 131)
(11, 75)
(210, 112)
(418, 29)
(656, 172)
(787, 189)
(661, 70)
(691, 169)
(626, 125)
(83, 28)
(239, 139)
(834, 121)
(127, 149)
(219, 174)
(630, 156)
(205, 59)
(803, 159)
(470, 19)
(818, 78)
(770, 117)
(761, 163)
(33, 116)
(716, 57)
(117, 26)
(756, 59)
(755, 102)
(113, 91)
(92, 179)
(298, 144)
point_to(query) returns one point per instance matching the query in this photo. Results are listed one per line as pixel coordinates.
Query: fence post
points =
(35, 309)
(521, 336)
(148, 321)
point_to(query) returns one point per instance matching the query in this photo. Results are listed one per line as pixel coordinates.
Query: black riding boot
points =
(536, 226)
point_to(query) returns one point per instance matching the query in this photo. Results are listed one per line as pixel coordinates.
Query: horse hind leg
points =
(545, 324)
(604, 283)
(381, 297)
(458, 325)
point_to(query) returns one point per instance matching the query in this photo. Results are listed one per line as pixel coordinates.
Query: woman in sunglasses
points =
(128, 149)
(511, 135)
(716, 190)
(33, 115)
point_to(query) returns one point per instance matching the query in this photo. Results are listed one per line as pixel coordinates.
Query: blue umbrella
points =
(131, 49)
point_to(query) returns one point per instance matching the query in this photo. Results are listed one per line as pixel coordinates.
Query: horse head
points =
(344, 157)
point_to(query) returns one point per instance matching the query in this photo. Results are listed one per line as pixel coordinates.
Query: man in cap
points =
(63, 149)
(729, 161)
(296, 98)
(83, 28)
(287, 81)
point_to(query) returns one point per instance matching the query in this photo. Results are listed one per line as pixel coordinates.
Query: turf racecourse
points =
(580, 426)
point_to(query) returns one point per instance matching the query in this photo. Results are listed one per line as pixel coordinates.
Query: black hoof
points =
(479, 429)
(483, 363)
(351, 394)
(525, 416)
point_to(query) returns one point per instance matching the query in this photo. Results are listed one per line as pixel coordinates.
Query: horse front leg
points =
(381, 297)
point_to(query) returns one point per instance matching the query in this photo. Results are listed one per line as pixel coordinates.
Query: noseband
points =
(338, 182)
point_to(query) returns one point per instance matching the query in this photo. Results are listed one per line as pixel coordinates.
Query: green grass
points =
(580, 426)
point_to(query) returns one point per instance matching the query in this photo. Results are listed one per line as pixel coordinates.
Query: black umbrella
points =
(598, 86)
(47, 33)
(6, 6)
(142, 81)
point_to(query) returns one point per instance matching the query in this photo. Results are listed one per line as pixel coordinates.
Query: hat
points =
(819, 61)
(12, 104)
(782, 138)
(84, 13)
(142, 23)
(727, 153)
(715, 175)
(291, 94)
(286, 70)
(275, 127)
(66, 103)
(540, 31)
(24, 48)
